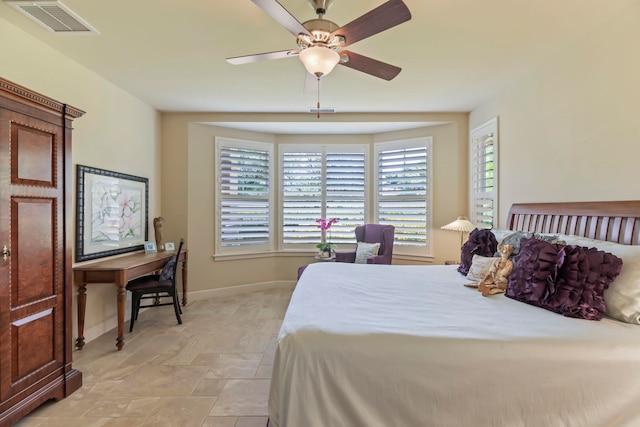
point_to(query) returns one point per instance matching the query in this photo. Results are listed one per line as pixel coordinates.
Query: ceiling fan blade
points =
(282, 16)
(247, 59)
(370, 66)
(383, 17)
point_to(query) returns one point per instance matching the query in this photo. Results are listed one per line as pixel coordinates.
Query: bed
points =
(390, 345)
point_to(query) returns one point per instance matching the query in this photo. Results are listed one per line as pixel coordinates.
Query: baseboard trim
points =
(107, 325)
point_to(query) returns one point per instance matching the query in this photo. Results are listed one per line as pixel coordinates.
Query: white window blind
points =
(345, 189)
(404, 190)
(244, 196)
(483, 175)
(302, 196)
(322, 182)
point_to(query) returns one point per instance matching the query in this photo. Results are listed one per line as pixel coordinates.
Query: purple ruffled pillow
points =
(481, 242)
(569, 280)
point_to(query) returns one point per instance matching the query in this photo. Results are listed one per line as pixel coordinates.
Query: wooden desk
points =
(119, 271)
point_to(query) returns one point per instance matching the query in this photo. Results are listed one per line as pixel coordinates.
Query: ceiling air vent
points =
(53, 15)
(323, 110)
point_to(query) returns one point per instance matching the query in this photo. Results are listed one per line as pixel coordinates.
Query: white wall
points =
(118, 132)
(569, 131)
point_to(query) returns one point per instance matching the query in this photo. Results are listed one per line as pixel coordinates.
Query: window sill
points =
(427, 259)
(269, 254)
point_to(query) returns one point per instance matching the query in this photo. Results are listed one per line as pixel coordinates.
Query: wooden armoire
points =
(36, 234)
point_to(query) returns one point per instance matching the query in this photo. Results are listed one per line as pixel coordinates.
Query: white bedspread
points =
(380, 345)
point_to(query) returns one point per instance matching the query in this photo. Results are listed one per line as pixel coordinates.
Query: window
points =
(244, 196)
(403, 192)
(322, 182)
(483, 186)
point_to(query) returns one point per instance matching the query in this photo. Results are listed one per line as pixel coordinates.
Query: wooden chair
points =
(155, 287)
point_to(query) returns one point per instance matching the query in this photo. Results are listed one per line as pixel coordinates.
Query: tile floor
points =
(211, 371)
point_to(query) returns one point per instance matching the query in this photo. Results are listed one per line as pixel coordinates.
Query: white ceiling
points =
(454, 53)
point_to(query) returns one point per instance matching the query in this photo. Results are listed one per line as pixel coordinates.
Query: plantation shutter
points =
(302, 196)
(404, 190)
(483, 183)
(325, 182)
(244, 209)
(345, 194)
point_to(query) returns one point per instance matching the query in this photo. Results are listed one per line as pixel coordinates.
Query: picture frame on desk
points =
(111, 213)
(150, 248)
(169, 247)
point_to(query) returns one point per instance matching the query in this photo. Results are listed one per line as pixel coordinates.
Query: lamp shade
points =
(319, 60)
(461, 224)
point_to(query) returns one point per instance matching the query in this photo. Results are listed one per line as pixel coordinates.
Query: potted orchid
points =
(324, 246)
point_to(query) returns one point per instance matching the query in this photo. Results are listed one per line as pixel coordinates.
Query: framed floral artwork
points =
(111, 213)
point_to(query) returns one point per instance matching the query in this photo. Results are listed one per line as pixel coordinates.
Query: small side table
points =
(451, 262)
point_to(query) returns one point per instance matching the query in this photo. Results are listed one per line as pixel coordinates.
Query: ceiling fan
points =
(321, 42)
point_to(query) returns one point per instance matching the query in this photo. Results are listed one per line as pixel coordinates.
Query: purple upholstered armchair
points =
(372, 233)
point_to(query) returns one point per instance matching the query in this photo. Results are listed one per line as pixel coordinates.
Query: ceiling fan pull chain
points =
(318, 96)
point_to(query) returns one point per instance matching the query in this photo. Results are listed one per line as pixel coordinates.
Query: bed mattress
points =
(389, 345)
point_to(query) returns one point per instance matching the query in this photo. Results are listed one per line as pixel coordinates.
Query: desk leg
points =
(184, 282)
(82, 304)
(122, 299)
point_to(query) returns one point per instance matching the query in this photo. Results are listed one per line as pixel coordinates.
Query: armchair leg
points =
(176, 308)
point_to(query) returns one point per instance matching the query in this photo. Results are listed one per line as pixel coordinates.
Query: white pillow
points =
(480, 266)
(365, 250)
(623, 295)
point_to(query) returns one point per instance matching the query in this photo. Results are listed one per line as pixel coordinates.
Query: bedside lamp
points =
(462, 224)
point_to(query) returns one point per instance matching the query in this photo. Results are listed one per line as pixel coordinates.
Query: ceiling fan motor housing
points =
(320, 30)
(320, 6)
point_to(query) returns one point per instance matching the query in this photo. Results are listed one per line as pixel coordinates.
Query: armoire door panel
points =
(33, 155)
(33, 257)
(33, 346)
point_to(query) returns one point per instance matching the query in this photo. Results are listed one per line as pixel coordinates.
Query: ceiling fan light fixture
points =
(319, 60)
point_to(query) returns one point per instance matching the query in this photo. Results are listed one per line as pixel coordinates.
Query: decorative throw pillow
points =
(623, 295)
(480, 266)
(500, 233)
(550, 238)
(481, 242)
(365, 250)
(514, 237)
(569, 280)
(167, 270)
(514, 240)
